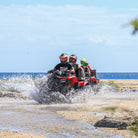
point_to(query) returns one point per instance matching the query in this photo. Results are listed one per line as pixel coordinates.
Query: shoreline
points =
(90, 114)
(121, 109)
(5, 133)
(124, 111)
(122, 84)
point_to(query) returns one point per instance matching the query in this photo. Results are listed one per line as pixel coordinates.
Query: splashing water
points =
(22, 84)
(37, 88)
(44, 95)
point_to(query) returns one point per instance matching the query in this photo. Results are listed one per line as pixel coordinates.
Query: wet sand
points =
(123, 85)
(126, 108)
(89, 114)
(5, 133)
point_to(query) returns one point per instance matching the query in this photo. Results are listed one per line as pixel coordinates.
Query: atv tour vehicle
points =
(59, 81)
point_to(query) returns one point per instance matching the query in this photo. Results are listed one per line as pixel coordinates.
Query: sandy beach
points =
(125, 110)
(5, 133)
(117, 108)
(123, 85)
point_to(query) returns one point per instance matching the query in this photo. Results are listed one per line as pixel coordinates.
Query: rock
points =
(110, 123)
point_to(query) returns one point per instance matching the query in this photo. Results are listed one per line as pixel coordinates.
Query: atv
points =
(59, 81)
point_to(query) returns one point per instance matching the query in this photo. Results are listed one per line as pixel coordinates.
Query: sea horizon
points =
(100, 75)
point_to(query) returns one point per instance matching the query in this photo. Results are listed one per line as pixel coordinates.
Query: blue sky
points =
(34, 33)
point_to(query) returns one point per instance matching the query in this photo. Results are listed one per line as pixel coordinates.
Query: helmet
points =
(63, 58)
(73, 59)
(84, 62)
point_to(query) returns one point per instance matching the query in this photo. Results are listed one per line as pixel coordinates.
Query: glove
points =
(68, 72)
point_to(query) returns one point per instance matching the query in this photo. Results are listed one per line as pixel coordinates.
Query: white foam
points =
(37, 88)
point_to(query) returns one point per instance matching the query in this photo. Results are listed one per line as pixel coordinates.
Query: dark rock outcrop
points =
(111, 123)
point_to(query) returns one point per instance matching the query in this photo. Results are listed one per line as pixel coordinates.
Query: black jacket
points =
(63, 66)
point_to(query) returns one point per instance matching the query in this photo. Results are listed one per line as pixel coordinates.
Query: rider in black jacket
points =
(64, 65)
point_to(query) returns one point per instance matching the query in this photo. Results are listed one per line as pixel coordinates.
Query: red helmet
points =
(73, 59)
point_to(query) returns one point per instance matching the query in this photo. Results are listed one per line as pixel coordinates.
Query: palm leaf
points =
(134, 24)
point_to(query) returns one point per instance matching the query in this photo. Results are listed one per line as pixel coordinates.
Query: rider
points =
(85, 66)
(92, 71)
(78, 69)
(64, 65)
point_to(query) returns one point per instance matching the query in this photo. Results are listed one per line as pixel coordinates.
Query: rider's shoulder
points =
(76, 65)
(69, 64)
(58, 65)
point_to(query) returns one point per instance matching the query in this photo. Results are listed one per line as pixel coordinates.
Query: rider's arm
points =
(89, 72)
(70, 70)
(79, 67)
(57, 67)
(90, 68)
(50, 71)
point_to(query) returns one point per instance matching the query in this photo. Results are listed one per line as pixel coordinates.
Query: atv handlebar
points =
(60, 73)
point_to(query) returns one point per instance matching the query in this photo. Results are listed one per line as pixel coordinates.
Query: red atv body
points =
(58, 81)
(78, 84)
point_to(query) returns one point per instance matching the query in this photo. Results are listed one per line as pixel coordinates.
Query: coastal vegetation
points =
(134, 126)
(122, 85)
(134, 24)
(111, 82)
(113, 108)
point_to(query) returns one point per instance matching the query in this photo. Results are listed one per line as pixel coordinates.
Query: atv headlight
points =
(62, 80)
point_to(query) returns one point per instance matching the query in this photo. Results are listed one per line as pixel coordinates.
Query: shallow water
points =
(42, 120)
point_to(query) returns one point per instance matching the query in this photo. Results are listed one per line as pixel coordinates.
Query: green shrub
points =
(134, 127)
(111, 82)
(110, 108)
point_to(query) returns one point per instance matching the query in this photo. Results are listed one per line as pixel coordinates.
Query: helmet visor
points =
(63, 59)
(72, 60)
(84, 63)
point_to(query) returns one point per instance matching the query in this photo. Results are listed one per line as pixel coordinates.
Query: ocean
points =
(100, 75)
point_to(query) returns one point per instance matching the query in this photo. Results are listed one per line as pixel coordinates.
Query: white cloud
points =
(63, 25)
(46, 31)
(133, 9)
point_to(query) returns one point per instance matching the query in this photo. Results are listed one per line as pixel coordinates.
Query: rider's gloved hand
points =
(68, 72)
(50, 71)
